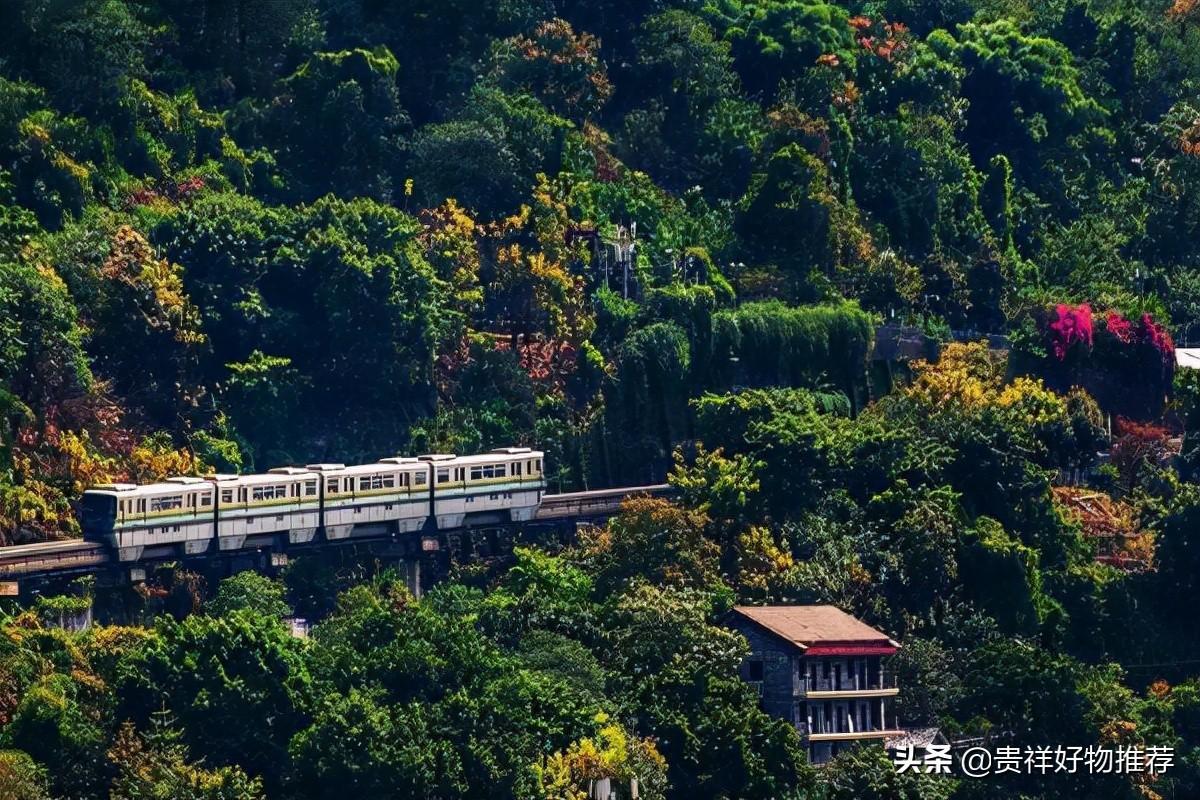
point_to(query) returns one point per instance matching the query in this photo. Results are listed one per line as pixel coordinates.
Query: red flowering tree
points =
(1128, 365)
(1068, 326)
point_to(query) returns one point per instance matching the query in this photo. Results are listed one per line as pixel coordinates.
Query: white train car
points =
(283, 500)
(507, 482)
(401, 493)
(392, 492)
(130, 518)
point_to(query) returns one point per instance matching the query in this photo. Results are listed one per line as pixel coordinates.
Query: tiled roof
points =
(809, 625)
(915, 737)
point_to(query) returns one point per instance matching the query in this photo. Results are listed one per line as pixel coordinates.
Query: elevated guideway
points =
(77, 557)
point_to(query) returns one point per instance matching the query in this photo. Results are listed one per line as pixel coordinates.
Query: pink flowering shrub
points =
(1127, 364)
(1119, 327)
(1145, 331)
(1159, 337)
(1069, 325)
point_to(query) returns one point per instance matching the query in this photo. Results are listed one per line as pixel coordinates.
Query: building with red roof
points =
(823, 671)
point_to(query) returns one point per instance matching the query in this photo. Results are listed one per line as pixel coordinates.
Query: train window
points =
(419, 479)
(517, 469)
(260, 493)
(377, 482)
(141, 506)
(443, 475)
(404, 479)
(310, 488)
(539, 465)
(331, 485)
(242, 494)
(227, 495)
(348, 485)
(206, 499)
(295, 492)
(487, 472)
(166, 503)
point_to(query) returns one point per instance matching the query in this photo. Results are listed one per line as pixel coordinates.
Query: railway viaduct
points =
(28, 570)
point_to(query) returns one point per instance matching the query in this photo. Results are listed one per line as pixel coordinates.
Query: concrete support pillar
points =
(412, 576)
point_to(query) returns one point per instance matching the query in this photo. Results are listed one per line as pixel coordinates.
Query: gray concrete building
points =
(821, 670)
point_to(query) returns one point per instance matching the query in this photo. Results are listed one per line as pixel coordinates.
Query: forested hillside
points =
(650, 239)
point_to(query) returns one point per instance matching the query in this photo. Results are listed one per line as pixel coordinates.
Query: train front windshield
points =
(97, 513)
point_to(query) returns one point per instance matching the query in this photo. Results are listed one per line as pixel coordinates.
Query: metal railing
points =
(846, 683)
(823, 726)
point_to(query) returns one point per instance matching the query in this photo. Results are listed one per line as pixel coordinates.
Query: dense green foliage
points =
(237, 235)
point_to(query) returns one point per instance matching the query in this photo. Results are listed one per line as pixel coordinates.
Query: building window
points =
(755, 670)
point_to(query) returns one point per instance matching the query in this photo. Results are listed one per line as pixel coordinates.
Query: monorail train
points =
(399, 495)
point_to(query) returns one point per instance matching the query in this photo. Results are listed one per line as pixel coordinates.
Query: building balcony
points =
(884, 685)
(827, 731)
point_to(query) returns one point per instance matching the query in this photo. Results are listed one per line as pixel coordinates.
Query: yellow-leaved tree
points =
(450, 241)
(532, 288)
(613, 755)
